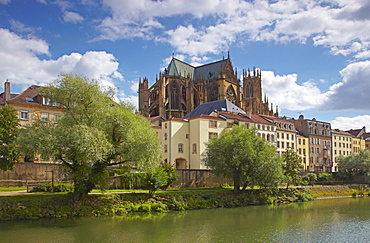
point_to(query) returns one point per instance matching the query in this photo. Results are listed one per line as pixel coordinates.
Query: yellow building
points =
(30, 105)
(303, 150)
(343, 144)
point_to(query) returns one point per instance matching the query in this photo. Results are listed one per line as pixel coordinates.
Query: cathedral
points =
(182, 87)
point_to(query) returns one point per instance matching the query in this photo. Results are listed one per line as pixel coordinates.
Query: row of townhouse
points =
(30, 105)
(184, 139)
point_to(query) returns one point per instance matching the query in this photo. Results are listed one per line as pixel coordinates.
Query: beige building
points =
(184, 139)
(30, 105)
(285, 133)
(342, 145)
(319, 136)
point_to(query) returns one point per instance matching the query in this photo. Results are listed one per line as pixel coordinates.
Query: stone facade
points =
(182, 87)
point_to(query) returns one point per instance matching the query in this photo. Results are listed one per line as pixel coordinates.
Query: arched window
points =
(174, 96)
(230, 94)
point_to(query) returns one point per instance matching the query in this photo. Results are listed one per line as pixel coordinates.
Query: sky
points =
(314, 54)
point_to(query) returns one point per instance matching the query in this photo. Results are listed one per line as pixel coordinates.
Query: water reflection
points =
(322, 220)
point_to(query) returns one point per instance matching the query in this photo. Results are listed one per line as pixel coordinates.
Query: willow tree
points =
(94, 132)
(9, 123)
(239, 154)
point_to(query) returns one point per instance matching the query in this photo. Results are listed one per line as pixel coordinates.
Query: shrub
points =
(159, 207)
(323, 177)
(310, 178)
(154, 179)
(171, 173)
(49, 187)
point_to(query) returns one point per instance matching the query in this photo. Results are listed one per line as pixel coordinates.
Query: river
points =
(327, 220)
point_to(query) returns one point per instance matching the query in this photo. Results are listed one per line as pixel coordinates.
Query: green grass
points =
(11, 189)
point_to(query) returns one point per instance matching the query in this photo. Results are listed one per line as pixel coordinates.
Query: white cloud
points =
(288, 94)
(347, 123)
(339, 25)
(21, 65)
(72, 17)
(353, 91)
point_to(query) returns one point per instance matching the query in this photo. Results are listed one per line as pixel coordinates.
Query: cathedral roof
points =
(209, 107)
(204, 72)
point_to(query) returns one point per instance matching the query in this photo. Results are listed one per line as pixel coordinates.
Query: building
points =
(182, 87)
(342, 145)
(30, 105)
(285, 133)
(184, 139)
(360, 139)
(303, 150)
(319, 136)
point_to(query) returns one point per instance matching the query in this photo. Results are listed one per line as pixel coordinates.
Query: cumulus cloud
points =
(5, 1)
(347, 123)
(323, 22)
(288, 94)
(20, 62)
(353, 91)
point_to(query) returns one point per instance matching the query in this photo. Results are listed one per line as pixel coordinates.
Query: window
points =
(165, 125)
(299, 141)
(304, 142)
(304, 151)
(24, 115)
(57, 117)
(229, 124)
(213, 124)
(247, 125)
(282, 144)
(165, 148)
(165, 135)
(292, 136)
(45, 101)
(181, 148)
(282, 135)
(278, 144)
(187, 136)
(194, 148)
(44, 117)
(212, 135)
(317, 150)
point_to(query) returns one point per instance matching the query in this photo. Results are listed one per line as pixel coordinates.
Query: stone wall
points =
(30, 173)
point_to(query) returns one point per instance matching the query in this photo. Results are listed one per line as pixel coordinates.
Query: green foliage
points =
(129, 180)
(310, 178)
(292, 167)
(94, 132)
(323, 177)
(239, 154)
(354, 164)
(171, 173)
(50, 187)
(154, 180)
(9, 153)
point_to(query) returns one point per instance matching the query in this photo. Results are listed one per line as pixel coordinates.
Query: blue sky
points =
(314, 54)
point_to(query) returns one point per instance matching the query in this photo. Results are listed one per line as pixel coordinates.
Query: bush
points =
(310, 178)
(154, 180)
(48, 187)
(323, 177)
(172, 175)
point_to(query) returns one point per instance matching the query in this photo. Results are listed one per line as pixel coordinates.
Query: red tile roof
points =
(31, 92)
(206, 117)
(259, 119)
(239, 117)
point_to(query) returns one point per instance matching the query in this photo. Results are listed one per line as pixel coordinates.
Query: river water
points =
(327, 220)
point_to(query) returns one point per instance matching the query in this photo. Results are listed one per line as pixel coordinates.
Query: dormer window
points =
(45, 101)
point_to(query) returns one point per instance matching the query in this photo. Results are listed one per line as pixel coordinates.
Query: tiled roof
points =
(259, 119)
(277, 119)
(341, 132)
(207, 117)
(176, 119)
(209, 107)
(355, 132)
(239, 117)
(28, 96)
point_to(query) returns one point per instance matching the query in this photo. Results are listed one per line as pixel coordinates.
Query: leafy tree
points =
(354, 164)
(93, 133)
(244, 157)
(9, 153)
(292, 167)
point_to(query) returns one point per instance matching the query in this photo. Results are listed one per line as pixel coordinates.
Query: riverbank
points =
(63, 206)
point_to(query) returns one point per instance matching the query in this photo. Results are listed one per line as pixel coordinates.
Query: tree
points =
(292, 167)
(93, 133)
(244, 157)
(9, 153)
(354, 164)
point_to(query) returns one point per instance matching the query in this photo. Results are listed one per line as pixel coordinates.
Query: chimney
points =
(6, 91)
